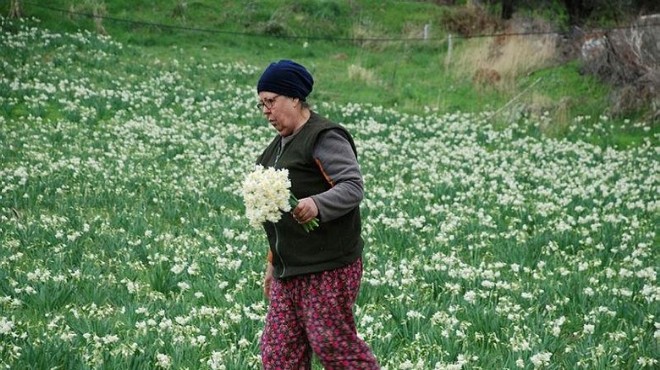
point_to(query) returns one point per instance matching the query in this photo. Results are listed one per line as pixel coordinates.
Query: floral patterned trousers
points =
(314, 313)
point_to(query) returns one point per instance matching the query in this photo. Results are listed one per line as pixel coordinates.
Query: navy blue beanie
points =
(287, 78)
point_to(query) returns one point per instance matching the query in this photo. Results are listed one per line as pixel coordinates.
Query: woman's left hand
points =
(268, 279)
(305, 211)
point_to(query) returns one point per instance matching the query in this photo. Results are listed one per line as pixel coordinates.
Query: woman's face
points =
(280, 112)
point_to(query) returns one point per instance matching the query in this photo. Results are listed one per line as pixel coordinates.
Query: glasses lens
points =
(268, 103)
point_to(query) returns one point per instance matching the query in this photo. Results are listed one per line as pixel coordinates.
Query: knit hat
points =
(287, 78)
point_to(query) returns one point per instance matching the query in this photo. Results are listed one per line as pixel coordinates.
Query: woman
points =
(312, 278)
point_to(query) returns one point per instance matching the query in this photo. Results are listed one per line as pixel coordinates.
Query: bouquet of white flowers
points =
(266, 194)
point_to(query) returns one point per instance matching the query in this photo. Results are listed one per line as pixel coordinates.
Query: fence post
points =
(449, 47)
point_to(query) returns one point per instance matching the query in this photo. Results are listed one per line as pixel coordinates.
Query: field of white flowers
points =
(124, 245)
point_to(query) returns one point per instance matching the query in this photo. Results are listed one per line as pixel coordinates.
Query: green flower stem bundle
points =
(309, 225)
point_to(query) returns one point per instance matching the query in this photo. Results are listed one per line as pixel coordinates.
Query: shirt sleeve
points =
(336, 159)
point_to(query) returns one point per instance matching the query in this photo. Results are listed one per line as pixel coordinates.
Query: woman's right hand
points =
(268, 279)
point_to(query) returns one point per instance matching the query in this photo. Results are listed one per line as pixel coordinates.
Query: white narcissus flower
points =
(541, 359)
(6, 325)
(163, 361)
(266, 195)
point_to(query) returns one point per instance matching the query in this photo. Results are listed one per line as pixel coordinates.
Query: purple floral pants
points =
(314, 313)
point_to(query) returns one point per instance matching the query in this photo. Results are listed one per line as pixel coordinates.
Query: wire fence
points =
(424, 38)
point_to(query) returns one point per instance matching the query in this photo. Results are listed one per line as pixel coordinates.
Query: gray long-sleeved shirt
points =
(340, 165)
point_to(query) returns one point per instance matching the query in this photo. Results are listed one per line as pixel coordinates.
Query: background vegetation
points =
(378, 51)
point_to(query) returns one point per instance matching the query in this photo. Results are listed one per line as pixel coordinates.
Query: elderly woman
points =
(312, 277)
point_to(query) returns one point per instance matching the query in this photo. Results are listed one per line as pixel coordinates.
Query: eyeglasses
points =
(268, 102)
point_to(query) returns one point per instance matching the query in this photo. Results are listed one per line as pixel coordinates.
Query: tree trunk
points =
(507, 9)
(578, 11)
(15, 9)
(647, 6)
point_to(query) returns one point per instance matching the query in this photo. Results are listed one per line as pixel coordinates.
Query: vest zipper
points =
(279, 152)
(277, 250)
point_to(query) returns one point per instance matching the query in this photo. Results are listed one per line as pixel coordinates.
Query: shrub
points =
(470, 21)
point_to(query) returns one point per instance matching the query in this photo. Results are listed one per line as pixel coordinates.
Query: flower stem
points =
(309, 225)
